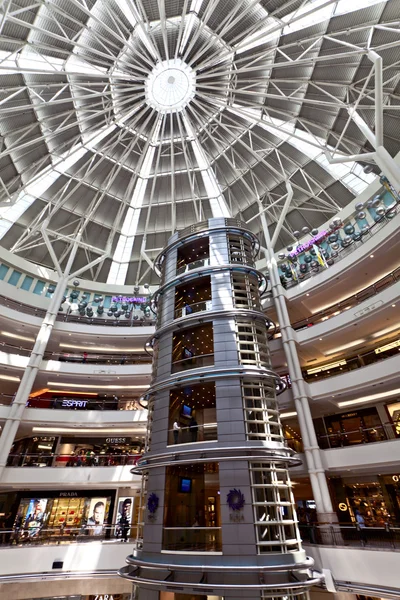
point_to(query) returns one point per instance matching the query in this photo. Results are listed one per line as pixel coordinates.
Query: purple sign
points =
(309, 244)
(130, 299)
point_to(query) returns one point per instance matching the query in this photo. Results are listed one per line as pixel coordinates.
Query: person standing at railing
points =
(194, 428)
(176, 429)
(361, 526)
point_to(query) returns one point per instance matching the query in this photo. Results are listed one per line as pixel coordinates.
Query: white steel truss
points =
(285, 98)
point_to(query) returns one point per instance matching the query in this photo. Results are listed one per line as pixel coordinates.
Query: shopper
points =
(361, 527)
(176, 428)
(194, 429)
(124, 525)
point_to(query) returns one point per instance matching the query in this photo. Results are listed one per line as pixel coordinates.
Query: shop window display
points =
(192, 518)
(394, 412)
(193, 408)
(53, 514)
(193, 348)
(351, 428)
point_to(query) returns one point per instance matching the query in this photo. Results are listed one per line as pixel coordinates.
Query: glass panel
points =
(27, 282)
(107, 301)
(15, 277)
(39, 287)
(192, 519)
(192, 414)
(3, 271)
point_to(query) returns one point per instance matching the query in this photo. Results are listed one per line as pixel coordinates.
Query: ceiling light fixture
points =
(78, 430)
(345, 347)
(17, 337)
(101, 348)
(370, 398)
(98, 387)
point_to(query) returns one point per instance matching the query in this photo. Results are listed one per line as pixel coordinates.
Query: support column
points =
(300, 395)
(28, 379)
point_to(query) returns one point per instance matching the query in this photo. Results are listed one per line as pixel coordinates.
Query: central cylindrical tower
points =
(218, 512)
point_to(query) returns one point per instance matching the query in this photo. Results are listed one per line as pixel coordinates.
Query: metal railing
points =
(196, 264)
(343, 252)
(26, 535)
(361, 435)
(196, 307)
(354, 362)
(349, 302)
(71, 318)
(192, 539)
(192, 434)
(82, 357)
(350, 534)
(82, 403)
(353, 437)
(193, 362)
(31, 459)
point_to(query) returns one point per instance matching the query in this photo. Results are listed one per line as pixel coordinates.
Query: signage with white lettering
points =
(130, 299)
(68, 494)
(116, 440)
(67, 403)
(309, 244)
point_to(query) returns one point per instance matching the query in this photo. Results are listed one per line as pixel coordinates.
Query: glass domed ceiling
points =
(127, 120)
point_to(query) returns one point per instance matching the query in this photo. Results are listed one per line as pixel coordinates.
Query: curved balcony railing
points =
(73, 318)
(194, 362)
(191, 434)
(196, 307)
(354, 300)
(349, 534)
(192, 539)
(359, 361)
(343, 252)
(361, 435)
(82, 357)
(196, 264)
(351, 437)
(68, 460)
(67, 534)
(81, 403)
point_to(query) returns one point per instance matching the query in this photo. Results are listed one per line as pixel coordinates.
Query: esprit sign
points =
(74, 403)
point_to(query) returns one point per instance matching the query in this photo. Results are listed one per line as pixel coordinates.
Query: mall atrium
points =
(199, 299)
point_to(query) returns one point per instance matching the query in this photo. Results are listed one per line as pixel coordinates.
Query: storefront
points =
(393, 410)
(376, 498)
(35, 451)
(351, 428)
(43, 515)
(104, 452)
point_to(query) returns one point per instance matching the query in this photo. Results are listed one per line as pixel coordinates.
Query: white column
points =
(25, 387)
(311, 448)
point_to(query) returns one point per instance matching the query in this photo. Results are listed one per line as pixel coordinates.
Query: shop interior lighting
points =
(16, 336)
(98, 387)
(388, 394)
(10, 378)
(382, 332)
(78, 430)
(288, 415)
(345, 347)
(390, 346)
(333, 365)
(101, 348)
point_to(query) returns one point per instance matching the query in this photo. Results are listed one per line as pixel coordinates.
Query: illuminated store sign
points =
(74, 403)
(307, 245)
(116, 440)
(130, 299)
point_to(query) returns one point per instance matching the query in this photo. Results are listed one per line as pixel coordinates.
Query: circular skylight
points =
(170, 85)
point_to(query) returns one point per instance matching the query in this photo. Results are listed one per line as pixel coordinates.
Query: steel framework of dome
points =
(123, 121)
